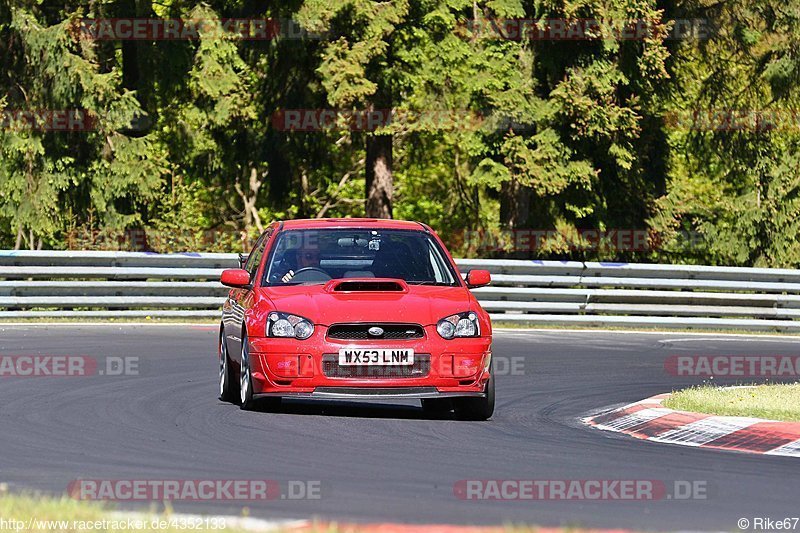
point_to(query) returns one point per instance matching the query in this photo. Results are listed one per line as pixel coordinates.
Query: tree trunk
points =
(18, 243)
(137, 67)
(249, 199)
(379, 176)
(305, 191)
(515, 211)
(515, 205)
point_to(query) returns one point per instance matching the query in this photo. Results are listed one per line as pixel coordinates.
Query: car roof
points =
(321, 223)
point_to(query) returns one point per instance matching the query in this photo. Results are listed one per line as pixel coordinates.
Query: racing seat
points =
(391, 261)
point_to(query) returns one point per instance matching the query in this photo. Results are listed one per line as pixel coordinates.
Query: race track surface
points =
(378, 462)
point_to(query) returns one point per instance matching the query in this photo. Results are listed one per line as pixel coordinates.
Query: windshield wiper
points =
(429, 282)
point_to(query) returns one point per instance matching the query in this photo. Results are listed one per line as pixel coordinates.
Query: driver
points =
(304, 258)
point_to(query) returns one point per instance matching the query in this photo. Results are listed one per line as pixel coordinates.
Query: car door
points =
(238, 299)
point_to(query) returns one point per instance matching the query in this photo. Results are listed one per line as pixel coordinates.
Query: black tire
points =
(227, 377)
(477, 408)
(246, 400)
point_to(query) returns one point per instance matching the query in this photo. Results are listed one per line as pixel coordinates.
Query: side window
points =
(438, 262)
(438, 275)
(254, 259)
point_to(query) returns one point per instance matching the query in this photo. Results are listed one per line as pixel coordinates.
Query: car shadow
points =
(351, 409)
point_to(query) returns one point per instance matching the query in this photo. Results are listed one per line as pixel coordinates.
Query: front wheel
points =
(477, 408)
(246, 400)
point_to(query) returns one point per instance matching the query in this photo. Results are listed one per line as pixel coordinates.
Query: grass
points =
(37, 513)
(775, 402)
(66, 515)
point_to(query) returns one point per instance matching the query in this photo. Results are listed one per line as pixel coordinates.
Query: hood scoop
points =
(366, 285)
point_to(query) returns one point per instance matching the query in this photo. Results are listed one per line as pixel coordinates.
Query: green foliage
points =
(488, 133)
(732, 179)
(43, 170)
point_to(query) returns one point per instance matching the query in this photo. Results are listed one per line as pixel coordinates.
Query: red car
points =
(355, 309)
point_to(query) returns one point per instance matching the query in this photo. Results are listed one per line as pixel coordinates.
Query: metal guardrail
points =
(133, 284)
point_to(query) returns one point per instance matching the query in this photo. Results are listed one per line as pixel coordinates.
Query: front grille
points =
(354, 332)
(332, 369)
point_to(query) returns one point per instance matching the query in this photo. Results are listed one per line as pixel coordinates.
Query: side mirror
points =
(235, 277)
(478, 278)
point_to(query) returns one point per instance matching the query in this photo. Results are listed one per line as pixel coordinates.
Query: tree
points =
(734, 140)
(358, 71)
(52, 172)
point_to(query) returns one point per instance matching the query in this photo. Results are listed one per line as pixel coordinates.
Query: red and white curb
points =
(650, 420)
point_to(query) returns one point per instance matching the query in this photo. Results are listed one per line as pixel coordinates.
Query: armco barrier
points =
(132, 284)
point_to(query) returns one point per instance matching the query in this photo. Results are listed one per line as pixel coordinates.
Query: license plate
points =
(379, 356)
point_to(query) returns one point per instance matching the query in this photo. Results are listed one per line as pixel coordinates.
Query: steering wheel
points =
(298, 275)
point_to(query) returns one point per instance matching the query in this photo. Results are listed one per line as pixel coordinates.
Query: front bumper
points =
(294, 368)
(372, 393)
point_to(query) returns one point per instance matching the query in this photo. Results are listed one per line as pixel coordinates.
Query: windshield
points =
(316, 256)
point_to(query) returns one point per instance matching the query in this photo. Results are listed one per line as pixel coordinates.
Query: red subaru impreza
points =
(355, 309)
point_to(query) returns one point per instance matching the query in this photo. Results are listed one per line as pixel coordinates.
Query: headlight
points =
(285, 325)
(460, 325)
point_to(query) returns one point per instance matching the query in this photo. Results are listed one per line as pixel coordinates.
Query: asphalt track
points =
(374, 462)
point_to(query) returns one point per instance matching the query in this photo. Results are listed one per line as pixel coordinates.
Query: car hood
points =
(420, 305)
